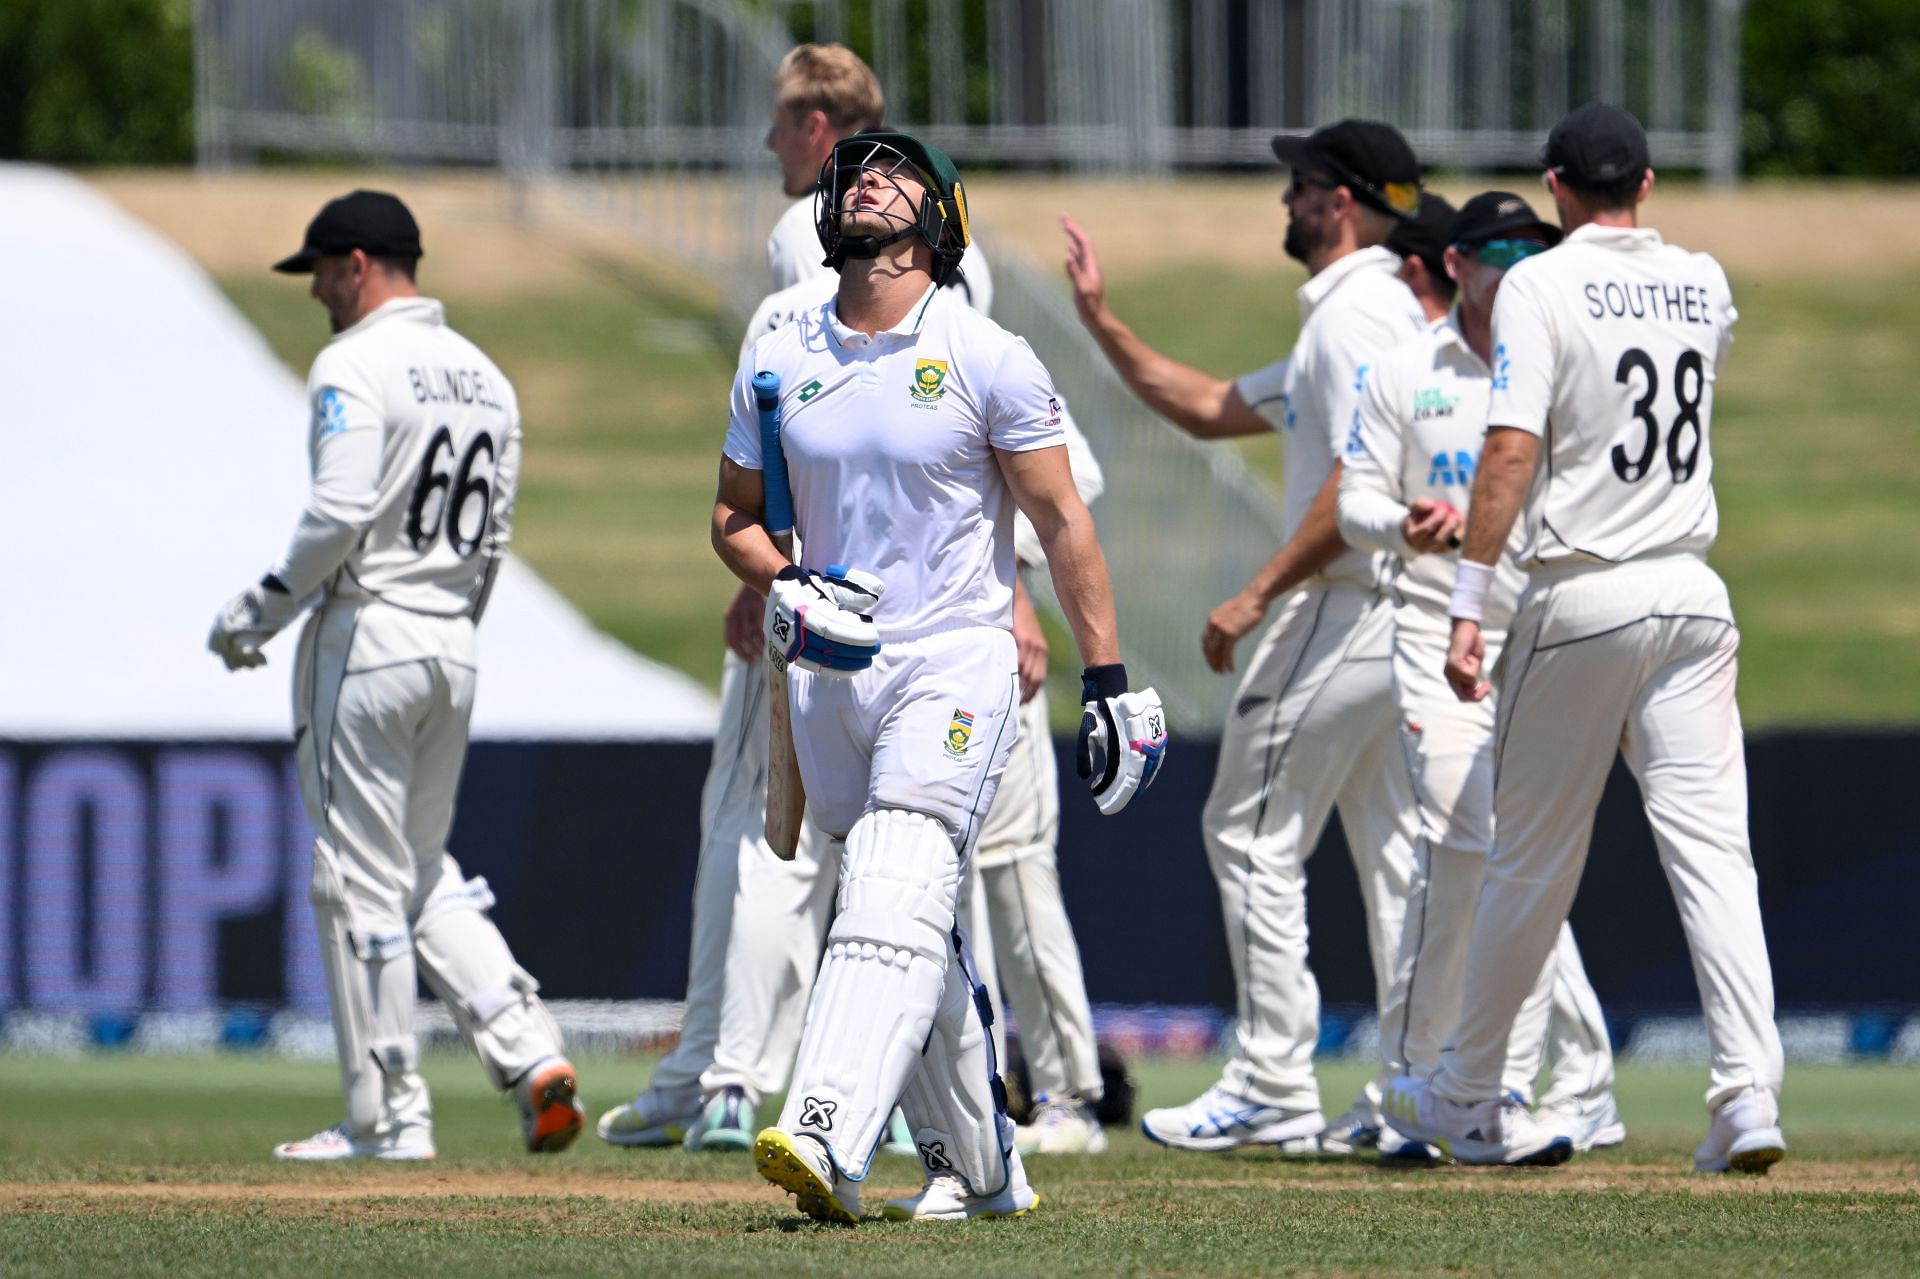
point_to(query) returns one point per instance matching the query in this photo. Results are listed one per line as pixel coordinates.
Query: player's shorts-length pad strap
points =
(879, 985)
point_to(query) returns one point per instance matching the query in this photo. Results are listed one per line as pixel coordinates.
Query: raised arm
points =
(1200, 404)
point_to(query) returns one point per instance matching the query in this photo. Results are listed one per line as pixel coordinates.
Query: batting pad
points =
(494, 1002)
(955, 1103)
(879, 986)
(372, 1001)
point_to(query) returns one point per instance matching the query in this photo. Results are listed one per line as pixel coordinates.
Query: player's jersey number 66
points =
(441, 497)
(1687, 394)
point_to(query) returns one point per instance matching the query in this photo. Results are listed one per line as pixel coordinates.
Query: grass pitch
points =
(125, 1165)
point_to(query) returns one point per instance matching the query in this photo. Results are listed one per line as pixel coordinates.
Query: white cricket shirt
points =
(782, 307)
(415, 439)
(1418, 431)
(1351, 315)
(1607, 347)
(794, 255)
(889, 444)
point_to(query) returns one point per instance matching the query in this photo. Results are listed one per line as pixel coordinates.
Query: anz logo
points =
(1454, 469)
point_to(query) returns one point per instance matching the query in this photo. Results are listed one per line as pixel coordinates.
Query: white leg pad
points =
(493, 1000)
(879, 985)
(956, 1103)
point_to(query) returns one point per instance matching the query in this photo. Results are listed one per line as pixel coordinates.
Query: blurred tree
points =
(96, 81)
(1832, 87)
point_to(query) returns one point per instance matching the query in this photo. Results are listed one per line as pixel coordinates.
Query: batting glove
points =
(808, 627)
(249, 620)
(1123, 737)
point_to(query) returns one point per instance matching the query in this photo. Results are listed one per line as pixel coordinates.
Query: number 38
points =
(455, 490)
(1634, 469)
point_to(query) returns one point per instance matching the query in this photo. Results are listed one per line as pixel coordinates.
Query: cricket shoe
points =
(1064, 1127)
(726, 1123)
(654, 1118)
(412, 1142)
(899, 1137)
(1745, 1136)
(1221, 1120)
(1354, 1132)
(802, 1167)
(945, 1198)
(1499, 1131)
(1594, 1124)
(551, 1114)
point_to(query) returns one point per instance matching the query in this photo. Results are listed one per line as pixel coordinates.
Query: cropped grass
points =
(624, 386)
(156, 1166)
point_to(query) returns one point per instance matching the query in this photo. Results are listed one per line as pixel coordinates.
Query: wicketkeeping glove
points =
(808, 625)
(249, 620)
(1123, 737)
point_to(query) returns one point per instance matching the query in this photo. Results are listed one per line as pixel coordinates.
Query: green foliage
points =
(96, 81)
(1832, 87)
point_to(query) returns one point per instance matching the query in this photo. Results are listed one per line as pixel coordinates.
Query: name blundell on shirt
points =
(1638, 300)
(450, 386)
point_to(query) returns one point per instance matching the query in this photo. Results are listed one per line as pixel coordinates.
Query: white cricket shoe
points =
(1221, 1120)
(1745, 1136)
(1356, 1131)
(726, 1123)
(1592, 1124)
(1497, 1131)
(945, 1198)
(654, 1118)
(551, 1113)
(409, 1143)
(1064, 1127)
(801, 1167)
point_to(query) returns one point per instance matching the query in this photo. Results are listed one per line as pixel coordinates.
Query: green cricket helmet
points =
(941, 220)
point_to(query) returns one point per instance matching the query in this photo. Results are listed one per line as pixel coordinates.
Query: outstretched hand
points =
(1083, 270)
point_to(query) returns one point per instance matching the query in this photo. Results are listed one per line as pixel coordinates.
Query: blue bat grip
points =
(773, 460)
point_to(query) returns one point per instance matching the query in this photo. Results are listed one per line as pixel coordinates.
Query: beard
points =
(1302, 241)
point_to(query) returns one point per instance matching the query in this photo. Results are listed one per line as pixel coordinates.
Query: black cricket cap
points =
(1596, 145)
(372, 221)
(1425, 234)
(1367, 157)
(1494, 215)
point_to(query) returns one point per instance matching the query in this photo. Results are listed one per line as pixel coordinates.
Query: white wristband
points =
(1470, 583)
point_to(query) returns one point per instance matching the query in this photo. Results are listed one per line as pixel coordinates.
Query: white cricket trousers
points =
(1315, 722)
(1449, 744)
(1033, 948)
(1640, 658)
(382, 700)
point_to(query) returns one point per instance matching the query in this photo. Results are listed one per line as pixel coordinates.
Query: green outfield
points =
(623, 372)
(121, 1165)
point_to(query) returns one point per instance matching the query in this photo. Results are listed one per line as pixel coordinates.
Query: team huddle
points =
(1498, 468)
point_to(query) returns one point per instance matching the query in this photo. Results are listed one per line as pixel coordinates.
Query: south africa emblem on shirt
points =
(929, 380)
(958, 733)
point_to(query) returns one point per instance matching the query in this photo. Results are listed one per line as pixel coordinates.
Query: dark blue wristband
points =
(1097, 683)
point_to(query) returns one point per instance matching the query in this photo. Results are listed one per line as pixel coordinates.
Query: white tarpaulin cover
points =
(152, 462)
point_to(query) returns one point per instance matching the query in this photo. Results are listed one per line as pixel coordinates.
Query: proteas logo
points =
(959, 732)
(929, 380)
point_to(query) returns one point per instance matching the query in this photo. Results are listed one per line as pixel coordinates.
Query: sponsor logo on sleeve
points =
(1500, 366)
(331, 413)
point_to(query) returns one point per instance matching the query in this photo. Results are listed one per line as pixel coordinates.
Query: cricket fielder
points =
(415, 442)
(1403, 491)
(1605, 352)
(1315, 720)
(911, 426)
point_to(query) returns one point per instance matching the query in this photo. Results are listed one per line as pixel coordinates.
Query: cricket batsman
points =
(1599, 441)
(415, 445)
(911, 427)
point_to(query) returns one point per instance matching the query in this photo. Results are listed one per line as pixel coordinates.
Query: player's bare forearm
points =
(1042, 486)
(739, 534)
(1499, 491)
(1312, 547)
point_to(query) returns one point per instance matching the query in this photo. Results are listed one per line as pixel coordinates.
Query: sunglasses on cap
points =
(1500, 253)
(1402, 197)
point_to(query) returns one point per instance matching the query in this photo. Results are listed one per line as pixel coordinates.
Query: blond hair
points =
(830, 79)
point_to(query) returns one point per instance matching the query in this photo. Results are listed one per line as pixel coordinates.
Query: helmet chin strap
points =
(869, 246)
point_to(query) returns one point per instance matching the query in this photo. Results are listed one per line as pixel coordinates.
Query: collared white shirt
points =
(1608, 347)
(1418, 433)
(1351, 314)
(794, 256)
(415, 436)
(890, 446)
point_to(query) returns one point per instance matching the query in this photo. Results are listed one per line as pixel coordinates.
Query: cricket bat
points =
(786, 794)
